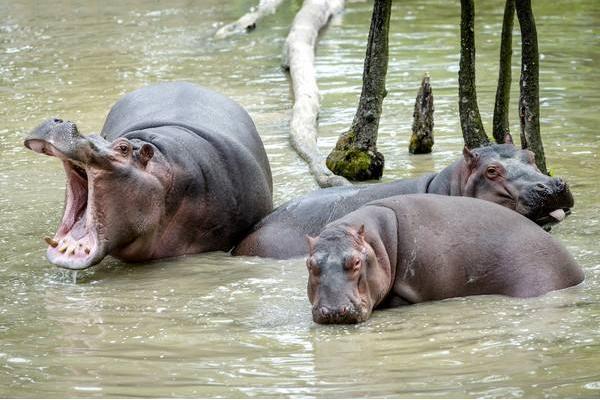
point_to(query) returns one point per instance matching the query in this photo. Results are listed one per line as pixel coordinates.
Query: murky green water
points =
(211, 325)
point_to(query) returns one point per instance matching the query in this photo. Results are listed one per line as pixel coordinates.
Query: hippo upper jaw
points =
(77, 243)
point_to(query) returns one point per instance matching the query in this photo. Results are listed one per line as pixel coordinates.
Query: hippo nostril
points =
(58, 121)
(540, 187)
(560, 184)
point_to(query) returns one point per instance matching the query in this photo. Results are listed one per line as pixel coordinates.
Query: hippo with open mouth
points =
(177, 169)
(415, 248)
(501, 174)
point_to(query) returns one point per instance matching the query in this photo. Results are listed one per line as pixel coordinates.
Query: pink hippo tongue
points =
(558, 214)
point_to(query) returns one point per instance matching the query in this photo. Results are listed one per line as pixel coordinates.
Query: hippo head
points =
(112, 195)
(345, 279)
(508, 176)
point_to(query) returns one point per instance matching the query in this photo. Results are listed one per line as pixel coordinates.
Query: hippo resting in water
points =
(499, 173)
(177, 169)
(415, 248)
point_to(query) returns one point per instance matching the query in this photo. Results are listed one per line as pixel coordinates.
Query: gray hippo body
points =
(500, 173)
(177, 169)
(415, 248)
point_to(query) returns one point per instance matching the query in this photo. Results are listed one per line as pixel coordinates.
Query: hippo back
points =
(203, 111)
(498, 251)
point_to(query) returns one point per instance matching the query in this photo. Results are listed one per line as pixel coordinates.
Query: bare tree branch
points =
(247, 22)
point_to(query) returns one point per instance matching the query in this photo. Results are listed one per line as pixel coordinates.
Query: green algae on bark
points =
(355, 155)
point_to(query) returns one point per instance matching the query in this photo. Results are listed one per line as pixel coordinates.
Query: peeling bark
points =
(500, 122)
(355, 155)
(470, 119)
(298, 57)
(421, 140)
(529, 97)
(247, 22)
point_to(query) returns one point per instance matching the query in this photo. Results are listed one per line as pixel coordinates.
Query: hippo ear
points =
(311, 243)
(361, 233)
(508, 139)
(145, 154)
(471, 157)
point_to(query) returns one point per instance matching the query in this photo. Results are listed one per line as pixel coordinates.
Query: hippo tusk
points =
(50, 241)
(558, 214)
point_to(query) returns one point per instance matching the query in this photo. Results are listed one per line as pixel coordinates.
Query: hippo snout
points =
(58, 138)
(344, 314)
(54, 135)
(555, 193)
(554, 187)
(548, 202)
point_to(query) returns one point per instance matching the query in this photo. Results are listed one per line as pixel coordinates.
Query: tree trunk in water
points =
(470, 120)
(298, 58)
(355, 155)
(501, 109)
(421, 140)
(529, 101)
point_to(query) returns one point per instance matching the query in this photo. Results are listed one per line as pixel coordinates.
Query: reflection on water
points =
(211, 325)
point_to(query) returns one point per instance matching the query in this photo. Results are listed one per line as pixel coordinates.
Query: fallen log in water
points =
(298, 58)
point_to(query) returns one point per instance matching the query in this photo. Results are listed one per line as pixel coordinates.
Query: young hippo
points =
(177, 169)
(501, 174)
(415, 248)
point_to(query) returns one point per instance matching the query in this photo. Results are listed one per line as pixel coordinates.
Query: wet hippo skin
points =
(501, 174)
(177, 169)
(415, 248)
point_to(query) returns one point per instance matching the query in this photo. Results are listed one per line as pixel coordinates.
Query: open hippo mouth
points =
(76, 244)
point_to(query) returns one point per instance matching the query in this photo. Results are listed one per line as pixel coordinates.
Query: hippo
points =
(177, 169)
(501, 174)
(422, 247)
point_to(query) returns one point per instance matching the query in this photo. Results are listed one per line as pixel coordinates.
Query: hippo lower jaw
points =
(553, 218)
(76, 244)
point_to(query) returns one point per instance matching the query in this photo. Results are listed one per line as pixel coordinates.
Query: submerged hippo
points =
(499, 173)
(177, 169)
(415, 248)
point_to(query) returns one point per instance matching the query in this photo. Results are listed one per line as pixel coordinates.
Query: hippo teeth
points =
(50, 241)
(558, 214)
(75, 245)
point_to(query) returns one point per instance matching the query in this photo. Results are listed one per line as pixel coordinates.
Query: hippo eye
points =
(353, 264)
(123, 149)
(492, 172)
